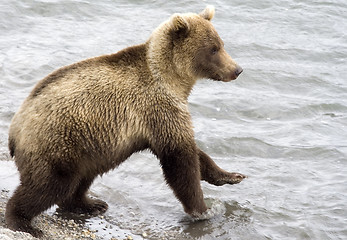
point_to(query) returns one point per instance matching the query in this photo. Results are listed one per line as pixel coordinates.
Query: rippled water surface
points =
(283, 122)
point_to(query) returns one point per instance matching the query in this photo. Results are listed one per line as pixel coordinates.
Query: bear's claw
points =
(231, 178)
(88, 206)
(97, 207)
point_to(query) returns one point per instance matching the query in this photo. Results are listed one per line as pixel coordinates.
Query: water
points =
(283, 122)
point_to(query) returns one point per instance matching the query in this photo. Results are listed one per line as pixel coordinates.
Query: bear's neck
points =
(164, 71)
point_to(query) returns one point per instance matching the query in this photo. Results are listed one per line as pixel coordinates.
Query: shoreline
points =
(53, 226)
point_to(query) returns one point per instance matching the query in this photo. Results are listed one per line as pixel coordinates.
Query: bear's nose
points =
(238, 70)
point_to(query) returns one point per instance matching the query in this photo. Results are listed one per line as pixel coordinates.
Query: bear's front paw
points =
(230, 178)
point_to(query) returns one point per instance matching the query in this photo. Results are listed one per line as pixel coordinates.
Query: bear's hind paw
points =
(89, 206)
(23, 225)
(96, 206)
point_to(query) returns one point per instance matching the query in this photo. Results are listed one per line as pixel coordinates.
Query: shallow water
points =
(283, 122)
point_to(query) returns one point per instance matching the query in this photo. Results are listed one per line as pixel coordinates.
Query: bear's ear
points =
(208, 13)
(179, 26)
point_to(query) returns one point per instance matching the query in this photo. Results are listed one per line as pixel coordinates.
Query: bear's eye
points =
(214, 50)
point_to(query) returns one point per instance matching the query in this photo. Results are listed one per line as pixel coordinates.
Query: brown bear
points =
(87, 118)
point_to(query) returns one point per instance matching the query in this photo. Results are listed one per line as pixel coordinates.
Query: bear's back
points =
(86, 106)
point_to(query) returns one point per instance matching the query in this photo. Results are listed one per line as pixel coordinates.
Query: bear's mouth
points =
(226, 78)
(229, 76)
(217, 77)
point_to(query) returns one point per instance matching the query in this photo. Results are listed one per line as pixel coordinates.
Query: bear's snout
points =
(238, 71)
(233, 74)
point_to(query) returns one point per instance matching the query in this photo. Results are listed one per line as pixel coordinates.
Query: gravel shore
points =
(53, 227)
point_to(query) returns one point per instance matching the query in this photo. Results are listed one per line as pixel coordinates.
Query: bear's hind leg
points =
(23, 206)
(79, 202)
(213, 174)
(37, 192)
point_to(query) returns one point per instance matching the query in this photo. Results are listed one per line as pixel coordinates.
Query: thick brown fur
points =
(87, 118)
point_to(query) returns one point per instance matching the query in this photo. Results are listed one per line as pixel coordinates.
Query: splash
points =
(215, 208)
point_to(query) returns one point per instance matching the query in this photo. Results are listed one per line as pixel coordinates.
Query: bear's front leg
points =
(213, 174)
(181, 169)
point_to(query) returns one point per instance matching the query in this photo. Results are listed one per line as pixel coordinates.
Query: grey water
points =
(283, 122)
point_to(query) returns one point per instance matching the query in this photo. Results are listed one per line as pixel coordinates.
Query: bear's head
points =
(189, 46)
